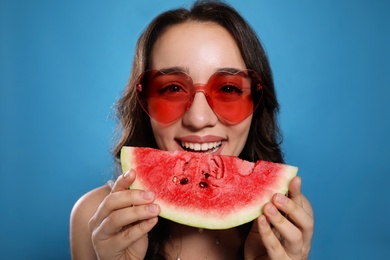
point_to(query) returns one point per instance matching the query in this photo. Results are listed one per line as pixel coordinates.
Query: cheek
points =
(240, 134)
(158, 134)
(164, 135)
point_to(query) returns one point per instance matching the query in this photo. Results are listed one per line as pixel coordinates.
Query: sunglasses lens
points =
(165, 97)
(232, 96)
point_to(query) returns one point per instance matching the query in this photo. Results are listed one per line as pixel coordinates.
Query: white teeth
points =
(201, 146)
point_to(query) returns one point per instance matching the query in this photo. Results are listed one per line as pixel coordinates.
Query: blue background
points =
(63, 65)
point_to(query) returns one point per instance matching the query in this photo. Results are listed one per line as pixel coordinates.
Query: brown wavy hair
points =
(135, 130)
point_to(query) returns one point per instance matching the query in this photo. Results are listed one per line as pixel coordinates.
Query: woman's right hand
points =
(121, 224)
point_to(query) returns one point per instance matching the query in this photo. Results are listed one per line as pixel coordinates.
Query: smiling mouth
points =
(201, 147)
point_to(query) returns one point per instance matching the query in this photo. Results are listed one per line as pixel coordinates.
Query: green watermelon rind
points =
(207, 219)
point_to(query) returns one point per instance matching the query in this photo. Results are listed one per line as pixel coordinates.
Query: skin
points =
(201, 53)
(113, 223)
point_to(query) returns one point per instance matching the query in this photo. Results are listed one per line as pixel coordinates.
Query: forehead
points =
(199, 47)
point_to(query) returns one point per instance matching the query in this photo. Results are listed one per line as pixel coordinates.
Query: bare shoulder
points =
(90, 201)
(86, 206)
(82, 212)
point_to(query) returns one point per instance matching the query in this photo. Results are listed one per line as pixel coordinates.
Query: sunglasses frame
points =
(256, 91)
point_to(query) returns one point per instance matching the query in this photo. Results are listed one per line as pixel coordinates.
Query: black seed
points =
(206, 175)
(203, 184)
(184, 181)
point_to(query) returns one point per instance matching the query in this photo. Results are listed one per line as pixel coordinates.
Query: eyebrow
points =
(229, 69)
(175, 69)
(187, 70)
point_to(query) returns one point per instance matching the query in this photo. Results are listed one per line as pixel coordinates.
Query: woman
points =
(198, 47)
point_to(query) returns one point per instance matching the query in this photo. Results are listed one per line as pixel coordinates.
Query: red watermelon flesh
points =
(203, 190)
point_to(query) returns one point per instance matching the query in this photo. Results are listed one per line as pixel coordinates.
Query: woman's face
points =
(200, 49)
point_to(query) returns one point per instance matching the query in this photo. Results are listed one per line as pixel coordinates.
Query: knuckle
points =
(279, 252)
(127, 233)
(133, 196)
(108, 201)
(310, 224)
(280, 220)
(136, 213)
(109, 220)
(291, 206)
(142, 212)
(91, 224)
(133, 232)
(297, 239)
(142, 227)
(94, 238)
(267, 233)
(274, 245)
(307, 226)
(94, 234)
(112, 221)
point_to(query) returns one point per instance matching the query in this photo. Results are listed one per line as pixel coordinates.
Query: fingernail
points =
(129, 174)
(126, 175)
(147, 195)
(152, 208)
(272, 210)
(280, 198)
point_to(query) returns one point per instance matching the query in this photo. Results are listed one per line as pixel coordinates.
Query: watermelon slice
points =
(206, 191)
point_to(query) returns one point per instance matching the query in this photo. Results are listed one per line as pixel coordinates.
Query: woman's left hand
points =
(290, 235)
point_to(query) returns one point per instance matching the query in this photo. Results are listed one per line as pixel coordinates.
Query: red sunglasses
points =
(166, 96)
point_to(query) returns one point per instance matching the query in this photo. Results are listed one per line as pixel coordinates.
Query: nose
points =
(199, 115)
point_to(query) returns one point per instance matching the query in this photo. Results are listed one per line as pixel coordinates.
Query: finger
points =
(119, 219)
(294, 191)
(271, 242)
(128, 237)
(299, 217)
(124, 181)
(134, 233)
(296, 195)
(295, 213)
(120, 200)
(291, 235)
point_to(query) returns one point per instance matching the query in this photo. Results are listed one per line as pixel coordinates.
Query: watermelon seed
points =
(174, 180)
(184, 181)
(203, 184)
(206, 175)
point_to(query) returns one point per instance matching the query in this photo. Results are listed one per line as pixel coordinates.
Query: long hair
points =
(264, 137)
